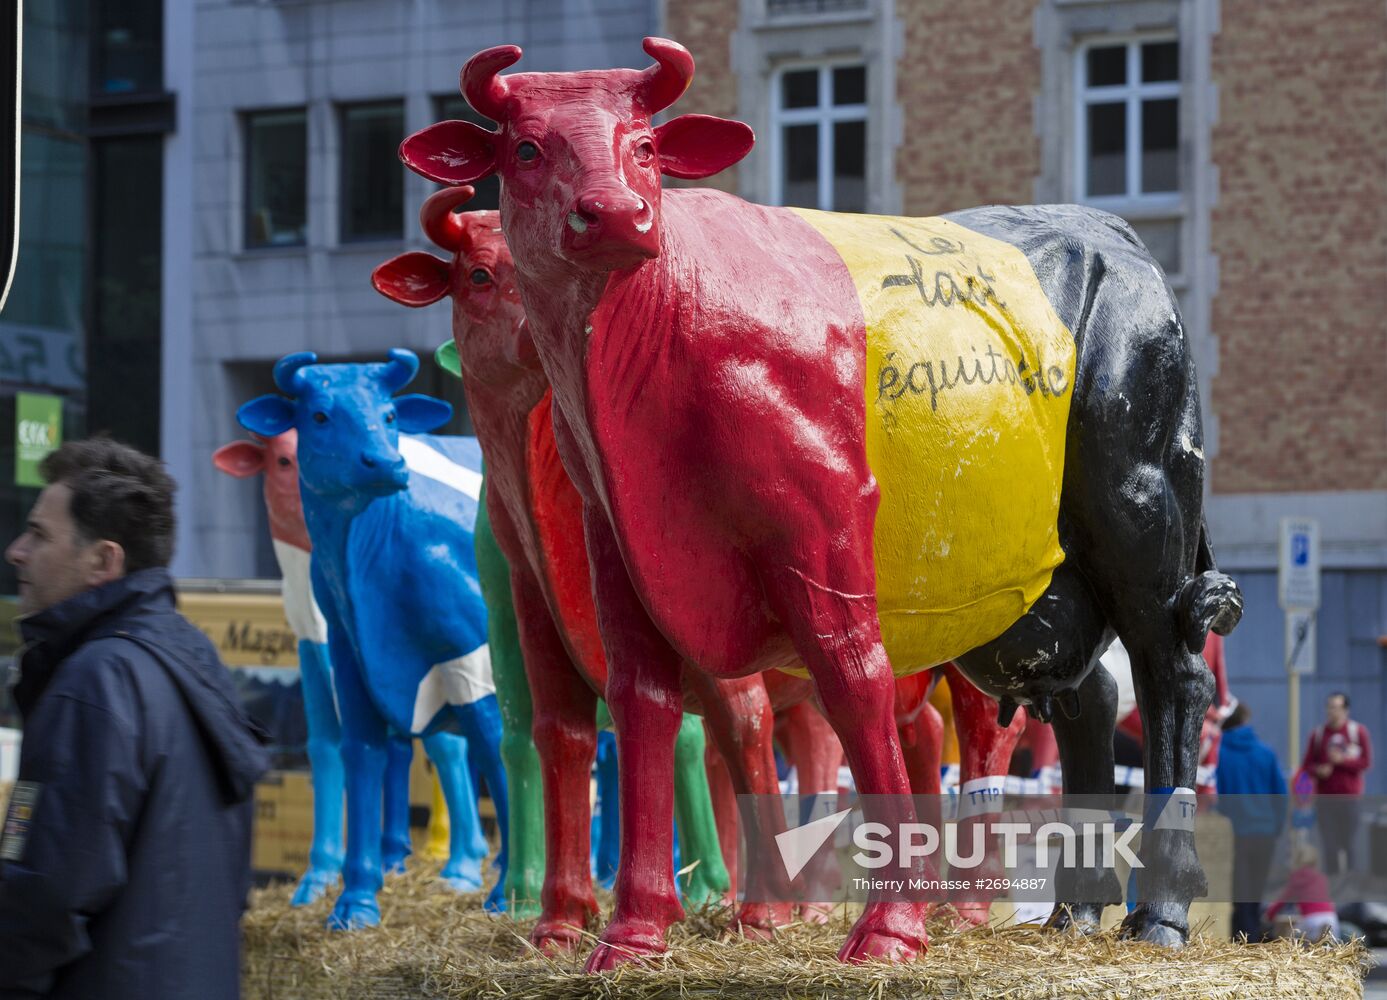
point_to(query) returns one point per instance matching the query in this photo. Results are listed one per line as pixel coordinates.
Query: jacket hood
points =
(140, 607)
(1243, 738)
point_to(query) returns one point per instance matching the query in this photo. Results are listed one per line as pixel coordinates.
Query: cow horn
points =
(481, 84)
(665, 82)
(440, 223)
(397, 372)
(288, 376)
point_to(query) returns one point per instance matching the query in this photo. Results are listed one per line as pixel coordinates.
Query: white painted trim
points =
(425, 461)
(300, 607)
(461, 681)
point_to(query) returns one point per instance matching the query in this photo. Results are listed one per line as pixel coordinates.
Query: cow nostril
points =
(368, 461)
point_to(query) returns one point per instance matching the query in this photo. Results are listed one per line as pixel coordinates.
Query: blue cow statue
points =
(277, 459)
(390, 510)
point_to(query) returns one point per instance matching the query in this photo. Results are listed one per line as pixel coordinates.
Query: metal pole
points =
(1293, 702)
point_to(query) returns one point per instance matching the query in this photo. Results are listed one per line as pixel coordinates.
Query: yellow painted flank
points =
(969, 375)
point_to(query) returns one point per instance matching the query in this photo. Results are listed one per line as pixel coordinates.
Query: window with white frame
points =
(819, 137)
(1128, 133)
(1129, 119)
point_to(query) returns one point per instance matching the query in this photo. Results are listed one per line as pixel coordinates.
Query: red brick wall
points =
(1300, 231)
(967, 85)
(705, 28)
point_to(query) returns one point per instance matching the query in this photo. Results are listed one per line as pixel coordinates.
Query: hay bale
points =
(434, 943)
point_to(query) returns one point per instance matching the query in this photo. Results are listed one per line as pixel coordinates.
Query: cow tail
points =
(1209, 601)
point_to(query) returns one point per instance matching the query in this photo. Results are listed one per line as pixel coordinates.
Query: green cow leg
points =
(525, 877)
(693, 814)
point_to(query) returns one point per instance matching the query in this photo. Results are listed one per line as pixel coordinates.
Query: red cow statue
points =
(536, 515)
(852, 442)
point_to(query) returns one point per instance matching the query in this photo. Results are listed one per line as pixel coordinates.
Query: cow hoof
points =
(1076, 918)
(609, 955)
(1144, 925)
(553, 938)
(816, 914)
(462, 876)
(353, 913)
(868, 946)
(312, 887)
(393, 864)
(891, 932)
(523, 909)
(970, 915)
(759, 921)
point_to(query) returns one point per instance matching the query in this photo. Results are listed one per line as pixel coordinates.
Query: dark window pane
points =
(126, 259)
(850, 166)
(129, 46)
(801, 167)
(800, 89)
(372, 179)
(1107, 149)
(850, 85)
(1160, 62)
(1160, 132)
(1107, 66)
(276, 166)
(456, 109)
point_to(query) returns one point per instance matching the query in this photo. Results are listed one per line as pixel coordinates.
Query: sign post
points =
(1298, 591)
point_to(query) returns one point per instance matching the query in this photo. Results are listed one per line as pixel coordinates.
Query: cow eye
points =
(320, 417)
(283, 462)
(390, 418)
(480, 277)
(526, 151)
(645, 151)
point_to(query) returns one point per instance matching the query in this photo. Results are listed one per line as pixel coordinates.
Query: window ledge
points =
(260, 253)
(371, 244)
(1141, 209)
(812, 19)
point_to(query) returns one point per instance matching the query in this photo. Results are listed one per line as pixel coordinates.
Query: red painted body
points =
(537, 518)
(714, 431)
(277, 457)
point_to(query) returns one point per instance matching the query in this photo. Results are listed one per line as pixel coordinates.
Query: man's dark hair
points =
(1339, 694)
(1238, 717)
(119, 494)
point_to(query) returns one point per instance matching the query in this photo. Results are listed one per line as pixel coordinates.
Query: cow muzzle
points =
(382, 475)
(610, 227)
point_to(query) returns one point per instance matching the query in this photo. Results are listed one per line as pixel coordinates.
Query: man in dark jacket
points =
(125, 854)
(1252, 794)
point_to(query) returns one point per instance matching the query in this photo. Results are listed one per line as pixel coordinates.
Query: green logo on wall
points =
(38, 429)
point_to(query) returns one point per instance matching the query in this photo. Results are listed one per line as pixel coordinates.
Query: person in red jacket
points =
(1337, 755)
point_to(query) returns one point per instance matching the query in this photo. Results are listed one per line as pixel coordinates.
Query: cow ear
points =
(446, 357)
(451, 152)
(419, 414)
(266, 416)
(694, 146)
(239, 458)
(413, 279)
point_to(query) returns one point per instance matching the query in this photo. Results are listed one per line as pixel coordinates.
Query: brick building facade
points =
(1243, 138)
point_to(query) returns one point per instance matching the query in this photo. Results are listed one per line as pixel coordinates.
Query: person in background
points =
(1252, 794)
(1337, 755)
(125, 851)
(1308, 890)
